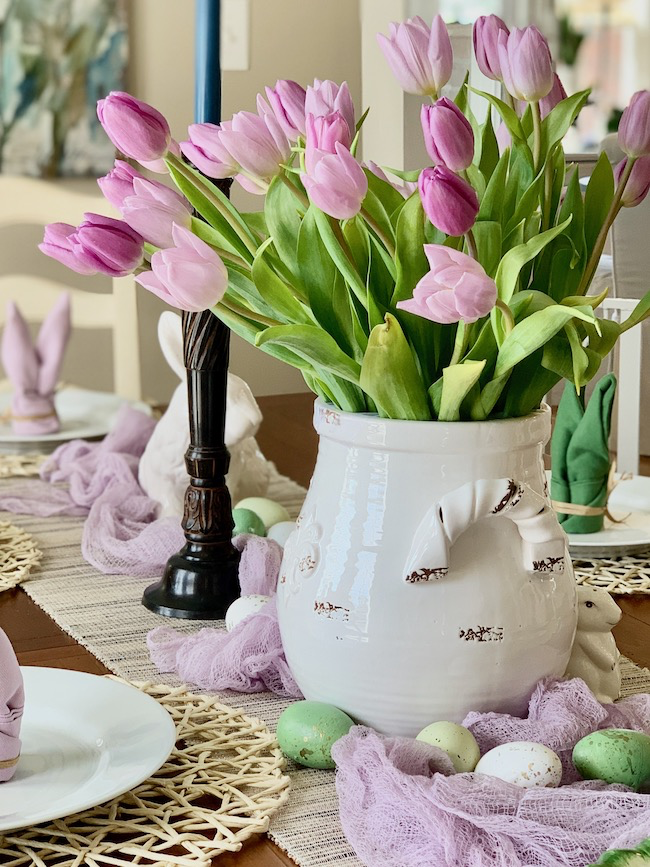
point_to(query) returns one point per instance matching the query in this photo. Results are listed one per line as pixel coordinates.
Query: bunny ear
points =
(18, 354)
(51, 343)
(243, 415)
(170, 337)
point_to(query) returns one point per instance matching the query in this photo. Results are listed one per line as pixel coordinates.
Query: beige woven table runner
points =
(104, 614)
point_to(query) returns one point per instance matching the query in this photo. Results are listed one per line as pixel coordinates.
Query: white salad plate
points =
(83, 414)
(85, 739)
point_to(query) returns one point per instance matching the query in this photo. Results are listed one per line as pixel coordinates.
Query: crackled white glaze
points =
(427, 575)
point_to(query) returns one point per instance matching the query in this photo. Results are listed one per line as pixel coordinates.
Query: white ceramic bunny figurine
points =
(33, 368)
(595, 657)
(162, 474)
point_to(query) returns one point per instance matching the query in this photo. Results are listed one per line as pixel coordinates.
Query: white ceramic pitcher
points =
(427, 576)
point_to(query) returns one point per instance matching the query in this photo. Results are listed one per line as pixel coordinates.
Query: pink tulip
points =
(449, 202)
(100, 245)
(153, 209)
(258, 145)
(486, 38)
(634, 128)
(207, 152)
(448, 135)
(338, 184)
(325, 97)
(118, 183)
(190, 275)
(526, 64)
(455, 288)
(553, 98)
(135, 128)
(160, 166)
(638, 184)
(405, 188)
(322, 135)
(287, 100)
(420, 57)
(57, 244)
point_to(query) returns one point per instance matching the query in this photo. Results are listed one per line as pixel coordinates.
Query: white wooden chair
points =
(26, 201)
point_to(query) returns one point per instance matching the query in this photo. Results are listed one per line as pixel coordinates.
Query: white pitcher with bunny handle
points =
(427, 575)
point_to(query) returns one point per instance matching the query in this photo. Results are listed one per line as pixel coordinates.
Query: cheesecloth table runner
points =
(104, 614)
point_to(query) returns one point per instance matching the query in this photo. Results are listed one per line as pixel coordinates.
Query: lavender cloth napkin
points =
(12, 702)
(33, 368)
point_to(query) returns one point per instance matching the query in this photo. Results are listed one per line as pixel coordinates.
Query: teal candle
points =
(207, 69)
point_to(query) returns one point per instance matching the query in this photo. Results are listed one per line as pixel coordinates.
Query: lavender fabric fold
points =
(12, 702)
(33, 368)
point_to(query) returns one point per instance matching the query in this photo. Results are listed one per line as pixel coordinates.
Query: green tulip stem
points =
(537, 134)
(506, 313)
(383, 237)
(340, 237)
(548, 193)
(460, 343)
(615, 207)
(238, 310)
(509, 100)
(302, 197)
(471, 244)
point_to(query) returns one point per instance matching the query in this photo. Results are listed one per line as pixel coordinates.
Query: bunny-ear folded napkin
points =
(12, 701)
(580, 462)
(33, 370)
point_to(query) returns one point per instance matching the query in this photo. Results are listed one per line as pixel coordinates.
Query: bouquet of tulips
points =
(456, 291)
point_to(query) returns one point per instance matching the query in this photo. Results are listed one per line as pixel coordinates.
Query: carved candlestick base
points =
(201, 581)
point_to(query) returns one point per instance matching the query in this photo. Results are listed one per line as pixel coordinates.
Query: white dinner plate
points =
(83, 414)
(85, 739)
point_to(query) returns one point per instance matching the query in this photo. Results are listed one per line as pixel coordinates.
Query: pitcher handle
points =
(543, 540)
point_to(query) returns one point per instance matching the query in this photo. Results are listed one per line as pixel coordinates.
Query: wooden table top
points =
(287, 438)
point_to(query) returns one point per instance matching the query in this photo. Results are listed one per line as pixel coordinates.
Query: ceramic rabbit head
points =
(162, 473)
(597, 611)
(33, 367)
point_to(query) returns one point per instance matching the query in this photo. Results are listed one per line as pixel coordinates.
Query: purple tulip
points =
(325, 97)
(190, 275)
(57, 244)
(449, 202)
(338, 184)
(287, 100)
(448, 135)
(207, 152)
(135, 128)
(486, 39)
(118, 183)
(153, 209)
(258, 145)
(405, 188)
(638, 184)
(159, 165)
(455, 288)
(634, 128)
(526, 64)
(555, 96)
(323, 133)
(420, 57)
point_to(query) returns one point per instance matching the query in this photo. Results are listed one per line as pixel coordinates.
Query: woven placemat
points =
(20, 465)
(619, 575)
(18, 555)
(221, 785)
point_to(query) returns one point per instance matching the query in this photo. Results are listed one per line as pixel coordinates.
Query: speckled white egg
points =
(268, 510)
(523, 763)
(243, 607)
(458, 742)
(280, 532)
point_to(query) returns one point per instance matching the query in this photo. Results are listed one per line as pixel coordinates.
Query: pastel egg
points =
(280, 532)
(615, 756)
(247, 521)
(243, 607)
(271, 513)
(307, 730)
(524, 763)
(458, 742)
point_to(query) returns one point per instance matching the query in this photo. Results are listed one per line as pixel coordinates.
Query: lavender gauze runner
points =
(122, 534)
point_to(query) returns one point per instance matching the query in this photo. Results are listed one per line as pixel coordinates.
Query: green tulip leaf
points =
(388, 201)
(314, 345)
(640, 312)
(457, 381)
(492, 201)
(515, 259)
(339, 255)
(598, 200)
(283, 214)
(508, 115)
(489, 148)
(558, 121)
(275, 291)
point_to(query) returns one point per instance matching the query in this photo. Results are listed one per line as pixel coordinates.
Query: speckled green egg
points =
(270, 512)
(307, 730)
(247, 521)
(639, 857)
(615, 756)
(458, 742)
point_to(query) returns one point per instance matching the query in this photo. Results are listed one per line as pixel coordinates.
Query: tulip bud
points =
(638, 183)
(257, 144)
(486, 38)
(325, 97)
(207, 152)
(449, 202)
(57, 245)
(448, 135)
(338, 184)
(118, 183)
(107, 245)
(322, 135)
(420, 57)
(526, 64)
(634, 128)
(455, 288)
(190, 275)
(153, 209)
(135, 128)
(287, 100)
(555, 96)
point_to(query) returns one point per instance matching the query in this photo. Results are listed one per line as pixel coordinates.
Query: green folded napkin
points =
(580, 463)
